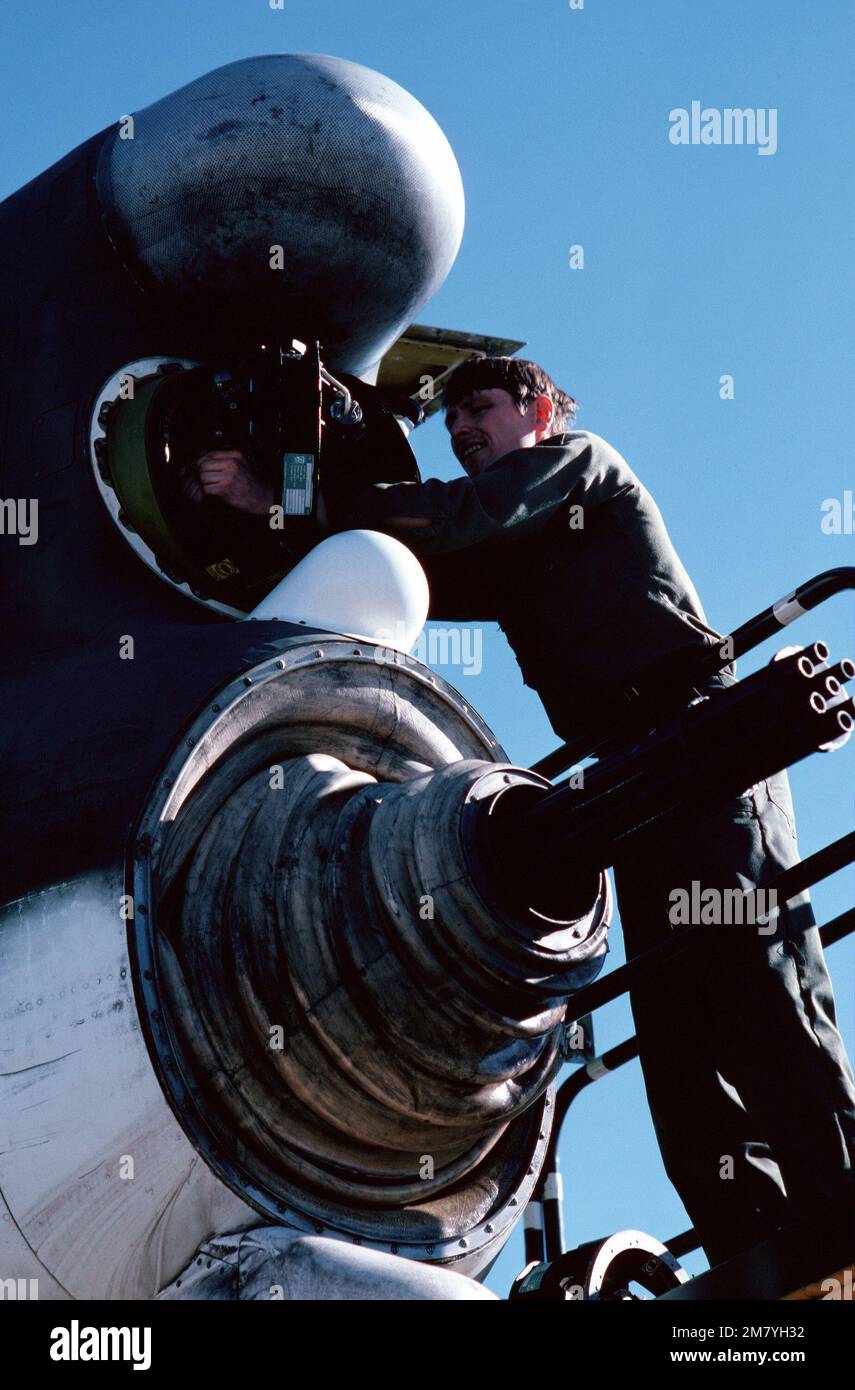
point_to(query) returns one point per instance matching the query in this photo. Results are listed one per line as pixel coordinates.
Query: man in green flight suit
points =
(554, 537)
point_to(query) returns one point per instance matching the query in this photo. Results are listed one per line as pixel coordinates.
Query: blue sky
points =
(700, 261)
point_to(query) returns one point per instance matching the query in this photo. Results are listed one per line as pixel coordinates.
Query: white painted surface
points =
(78, 1099)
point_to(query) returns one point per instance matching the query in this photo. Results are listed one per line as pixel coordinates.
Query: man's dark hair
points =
(521, 379)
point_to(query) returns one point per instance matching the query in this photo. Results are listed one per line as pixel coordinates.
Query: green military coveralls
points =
(750, 1089)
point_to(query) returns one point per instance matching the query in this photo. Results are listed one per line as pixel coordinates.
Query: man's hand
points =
(225, 473)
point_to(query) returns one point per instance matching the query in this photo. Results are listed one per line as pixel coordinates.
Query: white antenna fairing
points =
(358, 583)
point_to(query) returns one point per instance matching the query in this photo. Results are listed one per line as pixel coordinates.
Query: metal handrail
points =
(549, 1224)
(543, 1232)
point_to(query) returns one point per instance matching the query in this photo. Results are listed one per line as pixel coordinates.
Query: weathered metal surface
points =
(274, 1264)
(330, 161)
(468, 1091)
(351, 1034)
(106, 1196)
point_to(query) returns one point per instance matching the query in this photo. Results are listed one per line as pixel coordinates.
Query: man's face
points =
(486, 425)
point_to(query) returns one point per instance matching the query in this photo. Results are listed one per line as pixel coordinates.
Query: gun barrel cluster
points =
(712, 751)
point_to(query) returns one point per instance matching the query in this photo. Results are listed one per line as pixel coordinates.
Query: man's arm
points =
(225, 473)
(516, 497)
